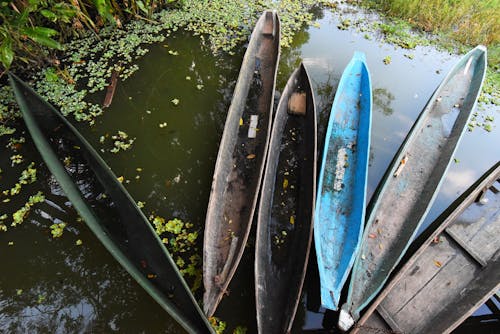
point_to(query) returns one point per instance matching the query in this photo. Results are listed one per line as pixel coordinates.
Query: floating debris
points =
(401, 166)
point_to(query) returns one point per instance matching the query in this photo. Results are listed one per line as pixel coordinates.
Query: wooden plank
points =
(393, 324)
(474, 294)
(428, 284)
(375, 325)
(427, 293)
(478, 228)
(466, 247)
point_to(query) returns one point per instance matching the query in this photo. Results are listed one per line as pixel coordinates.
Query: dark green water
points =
(70, 288)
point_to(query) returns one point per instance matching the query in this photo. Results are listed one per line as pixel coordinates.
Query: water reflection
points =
(382, 100)
(85, 290)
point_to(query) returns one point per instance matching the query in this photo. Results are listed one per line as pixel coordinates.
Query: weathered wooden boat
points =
(408, 188)
(340, 204)
(455, 270)
(107, 208)
(488, 323)
(285, 213)
(240, 161)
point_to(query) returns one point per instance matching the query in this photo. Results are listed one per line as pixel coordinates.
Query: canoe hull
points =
(284, 221)
(340, 203)
(407, 190)
(240, 161)
(453, 272)
(114, 219)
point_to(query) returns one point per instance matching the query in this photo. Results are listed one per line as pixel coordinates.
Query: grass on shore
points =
(470, 22)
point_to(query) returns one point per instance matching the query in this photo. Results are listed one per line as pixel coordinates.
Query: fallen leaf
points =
(251, 156)
(285, 183)
(372, 236)
(438, 264)
(292, 220)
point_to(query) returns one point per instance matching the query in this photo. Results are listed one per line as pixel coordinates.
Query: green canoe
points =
(107, 208)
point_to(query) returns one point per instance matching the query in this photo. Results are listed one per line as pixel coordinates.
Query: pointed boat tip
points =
(329, 300)
(346, 321)
(358, 55)
(12, 77)
(481, 47)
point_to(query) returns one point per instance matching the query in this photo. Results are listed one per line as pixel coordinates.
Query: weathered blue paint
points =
(412, 181)
(340, 202)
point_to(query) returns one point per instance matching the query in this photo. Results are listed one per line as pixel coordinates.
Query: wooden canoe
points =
(107, 208)
(240, 161)
(407, 190)
(453, 272)
(285, 213)
(340, 204)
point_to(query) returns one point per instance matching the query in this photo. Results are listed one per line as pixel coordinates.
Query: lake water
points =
(54, 286)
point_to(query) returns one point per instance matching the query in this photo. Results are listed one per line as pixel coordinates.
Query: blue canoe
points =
(407, 190)
(340, 202)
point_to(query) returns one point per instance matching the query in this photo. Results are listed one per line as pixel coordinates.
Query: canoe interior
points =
(240, 162)
(452, 273)
(284, 229)
(340, 203)
(108, 209)
(401, 202)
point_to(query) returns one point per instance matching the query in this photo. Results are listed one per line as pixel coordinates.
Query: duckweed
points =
(57, 229)
(27, 176)
(16, 159)
(19, 216)
(218, 325)
(122, 142)
(180, 241)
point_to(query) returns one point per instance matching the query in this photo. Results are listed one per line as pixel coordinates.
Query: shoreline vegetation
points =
(69, 50)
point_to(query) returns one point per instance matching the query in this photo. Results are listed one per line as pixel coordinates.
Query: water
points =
(70, 288)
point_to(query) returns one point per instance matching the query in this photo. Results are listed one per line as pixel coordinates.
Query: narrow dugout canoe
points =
(340, 203)
(284, 220)
(240, 161)
(455, 270)
(107, 208)
(412, 181)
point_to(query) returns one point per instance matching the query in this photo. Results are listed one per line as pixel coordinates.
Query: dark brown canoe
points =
(240, 161)
(453, 272)
(284, 221)
(107, 208)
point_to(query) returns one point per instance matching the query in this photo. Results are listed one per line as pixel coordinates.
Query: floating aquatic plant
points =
(57, 229)
(180, 241)
(19, 216)
(122, 142)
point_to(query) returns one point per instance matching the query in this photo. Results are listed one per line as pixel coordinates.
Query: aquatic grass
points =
(468, 21)
(456, 26)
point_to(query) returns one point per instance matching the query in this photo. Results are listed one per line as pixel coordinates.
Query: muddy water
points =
(54, 286)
